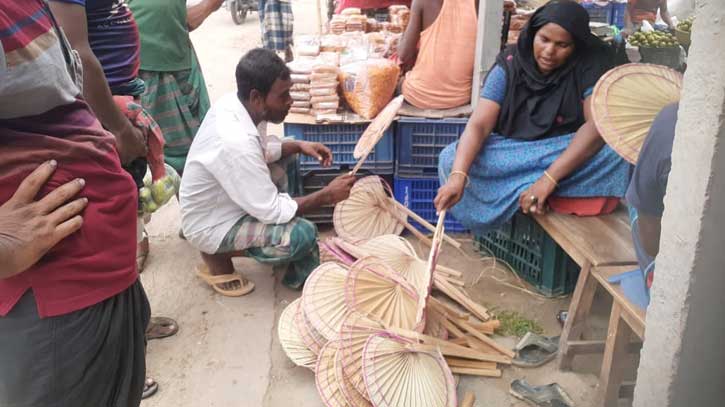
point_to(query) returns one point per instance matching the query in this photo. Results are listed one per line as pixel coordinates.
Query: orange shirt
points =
(443, 73)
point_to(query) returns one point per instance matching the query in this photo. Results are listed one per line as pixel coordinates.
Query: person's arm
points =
(408, 47)
(585, 144)
(628, 26)
(129, 139)
(665, 14)
(338, 190)
(477, 131)
(29, 228)
(195, 15)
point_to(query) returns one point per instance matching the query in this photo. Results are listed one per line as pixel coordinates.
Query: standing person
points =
(445, 31)
(176, 94)
(72, 309)
(277, 25)
(105, 35)
(232, 193)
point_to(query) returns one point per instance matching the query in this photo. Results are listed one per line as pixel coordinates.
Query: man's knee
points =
(305, 234)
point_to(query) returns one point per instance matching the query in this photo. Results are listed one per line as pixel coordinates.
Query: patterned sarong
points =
(277, 23)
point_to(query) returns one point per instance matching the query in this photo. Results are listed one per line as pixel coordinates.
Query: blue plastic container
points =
(418, 194)
(617, 16)
(598, 13)
(341, 139)
(419, 141)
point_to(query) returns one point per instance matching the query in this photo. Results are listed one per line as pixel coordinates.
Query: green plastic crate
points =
(533, 255)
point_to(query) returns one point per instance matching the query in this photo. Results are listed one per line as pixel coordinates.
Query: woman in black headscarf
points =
(532, 135)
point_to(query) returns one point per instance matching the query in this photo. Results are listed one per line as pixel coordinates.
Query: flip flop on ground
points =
(535, 350)
(150, 387)
(224, 283)
(550, 395)
(161, 327)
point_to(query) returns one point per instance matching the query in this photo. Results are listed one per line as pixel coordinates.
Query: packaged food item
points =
(351, 11)
(300, 87)
(307, 45)
(322, 99)
(300, 78)
(300, 110)
(302, 96)
(327, 91)
(319, 112)
(303, 104)
(332, 42)
(302, 65)
(322, 69)
(337, 24)
(330, 83)
(325, 76)
(330, 58)
(326, 106)
(368, 86)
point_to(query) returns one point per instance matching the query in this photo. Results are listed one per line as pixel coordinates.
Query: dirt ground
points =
(227, 353)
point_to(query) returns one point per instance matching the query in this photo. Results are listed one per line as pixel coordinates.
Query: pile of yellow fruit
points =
(654, 39)
(686, 25)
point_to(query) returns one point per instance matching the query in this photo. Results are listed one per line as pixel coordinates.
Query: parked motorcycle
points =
(240, 8)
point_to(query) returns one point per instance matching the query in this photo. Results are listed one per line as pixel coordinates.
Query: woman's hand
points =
(450, 193)
(29, 228)
(533, 200)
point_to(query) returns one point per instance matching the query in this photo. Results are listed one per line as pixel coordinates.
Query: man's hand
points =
(131, 144)
(317, 151)
(339, 189)
(28, 228)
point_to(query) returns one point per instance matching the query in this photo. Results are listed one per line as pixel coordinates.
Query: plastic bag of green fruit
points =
(156, 194)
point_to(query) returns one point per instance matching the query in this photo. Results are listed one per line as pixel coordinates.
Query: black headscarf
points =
(538, 106)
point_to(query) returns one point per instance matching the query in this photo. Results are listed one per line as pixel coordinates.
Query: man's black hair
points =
(258, 69)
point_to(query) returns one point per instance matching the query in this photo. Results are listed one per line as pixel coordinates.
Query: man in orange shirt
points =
(439, 43)
(639, 11)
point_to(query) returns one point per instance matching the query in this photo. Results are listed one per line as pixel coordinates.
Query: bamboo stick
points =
(449, 349)
(423, 238)
(453, 242)
(463, 341)
(485, 339)
(460, 297)
(470, 364)
(468, 400)
(474, 343)
(450, 271)
(476, 372)
(452, 328)
(448, 310)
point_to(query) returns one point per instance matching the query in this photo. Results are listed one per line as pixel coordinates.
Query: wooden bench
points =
(601, 246)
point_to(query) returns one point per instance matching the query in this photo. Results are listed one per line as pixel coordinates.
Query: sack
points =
(368, 86)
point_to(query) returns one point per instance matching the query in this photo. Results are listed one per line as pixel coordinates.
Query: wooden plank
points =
(478, 345)
(602, 240)
(581, 303)
(597, 347)
(471, 364)
(448, 348)
(452, 328)
(485, 339)
(632, 314)
(615, 353)
(476, 372)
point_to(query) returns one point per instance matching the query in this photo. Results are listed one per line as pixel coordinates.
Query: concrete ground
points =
(226, 353)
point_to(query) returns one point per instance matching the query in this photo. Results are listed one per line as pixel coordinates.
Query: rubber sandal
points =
(150, 387)
(215, 281)
(535, 350)
(550, 395)
(161, 327)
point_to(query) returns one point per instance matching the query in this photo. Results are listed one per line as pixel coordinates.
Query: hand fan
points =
(312, 339)
(354, 333)
(374, 132)
(322, 299)
(626, 100)
(353, 397)
(291, 339)
(327, 385)
(399, 373)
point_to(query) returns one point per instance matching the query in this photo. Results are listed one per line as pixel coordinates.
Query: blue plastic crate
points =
(418, 194)
(598, 13)
(617, 16)
(341, 139)
(419, 141)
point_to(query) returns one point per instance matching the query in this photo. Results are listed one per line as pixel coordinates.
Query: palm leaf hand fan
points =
(312, 339)
(327, 385)
(322, 299)
(354, 333)
(367, 212)
(375, 131)
(353, 397)
(373, 289)
(626, 100)
(291, 339)
(399, 372)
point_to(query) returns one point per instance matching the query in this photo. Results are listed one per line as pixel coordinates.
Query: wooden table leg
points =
(581, 304)
(615, 357)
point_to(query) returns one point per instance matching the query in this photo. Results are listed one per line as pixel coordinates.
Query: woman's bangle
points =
(468, 180)
(554, 181)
